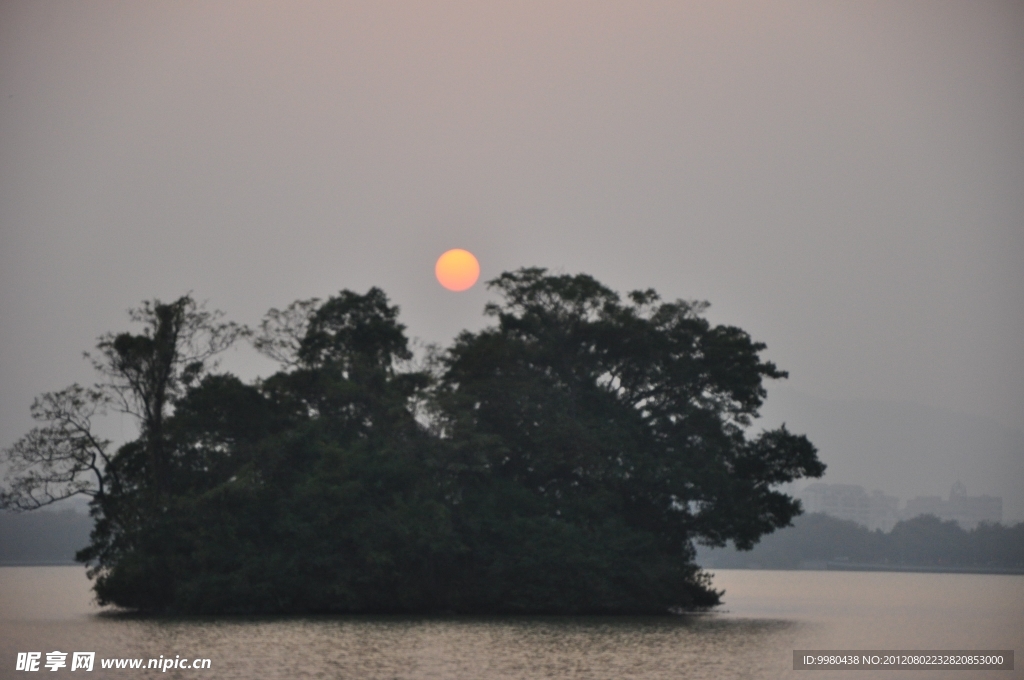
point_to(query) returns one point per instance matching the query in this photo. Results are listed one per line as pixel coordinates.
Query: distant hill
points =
(42, 537)
(906, 449)
(815, 541)
(818, 541)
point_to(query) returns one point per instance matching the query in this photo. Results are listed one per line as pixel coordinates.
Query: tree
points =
(612, 425)
(144, 374)
(301, 492)
(147, 372)
(62, 458)
(563, 460)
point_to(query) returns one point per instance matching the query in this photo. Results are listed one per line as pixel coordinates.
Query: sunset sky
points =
(845, 181)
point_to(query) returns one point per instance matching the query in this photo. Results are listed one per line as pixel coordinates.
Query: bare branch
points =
(281, 331)
(147, 372)
(144, 375)
(60, 459)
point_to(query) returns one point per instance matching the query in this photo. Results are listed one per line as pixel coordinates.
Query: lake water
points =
(767, 614)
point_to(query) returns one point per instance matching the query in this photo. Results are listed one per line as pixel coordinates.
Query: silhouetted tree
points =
(146, 372)
(143, 375)
(63, 457)
(613, 435)
(563, 460)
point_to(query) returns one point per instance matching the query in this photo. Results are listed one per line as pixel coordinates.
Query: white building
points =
(852, 502)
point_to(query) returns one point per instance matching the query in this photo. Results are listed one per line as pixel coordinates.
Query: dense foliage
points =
(563, 460)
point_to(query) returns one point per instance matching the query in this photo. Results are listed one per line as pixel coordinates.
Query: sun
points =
(457, 269)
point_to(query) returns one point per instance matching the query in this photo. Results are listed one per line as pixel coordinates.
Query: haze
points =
(843, 181)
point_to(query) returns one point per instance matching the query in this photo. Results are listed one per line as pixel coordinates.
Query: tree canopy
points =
(563, 460)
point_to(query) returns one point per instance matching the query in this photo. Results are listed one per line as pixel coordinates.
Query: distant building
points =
(852, 502)
(967, 511)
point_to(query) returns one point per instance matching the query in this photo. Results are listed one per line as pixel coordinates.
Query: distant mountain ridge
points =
(42, 537)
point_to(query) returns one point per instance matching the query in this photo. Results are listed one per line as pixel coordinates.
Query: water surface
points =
(767, 614)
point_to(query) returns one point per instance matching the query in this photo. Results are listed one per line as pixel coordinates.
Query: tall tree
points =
(143, 375)
(565, 461)
(591, 412)
(304, 491)
(146, 372)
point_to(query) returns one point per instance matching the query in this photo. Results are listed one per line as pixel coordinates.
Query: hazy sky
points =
(843, 180)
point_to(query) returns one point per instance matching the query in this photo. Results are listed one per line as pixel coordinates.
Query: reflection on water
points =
(767, 615)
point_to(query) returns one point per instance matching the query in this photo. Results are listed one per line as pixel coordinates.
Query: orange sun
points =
(457, 269)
